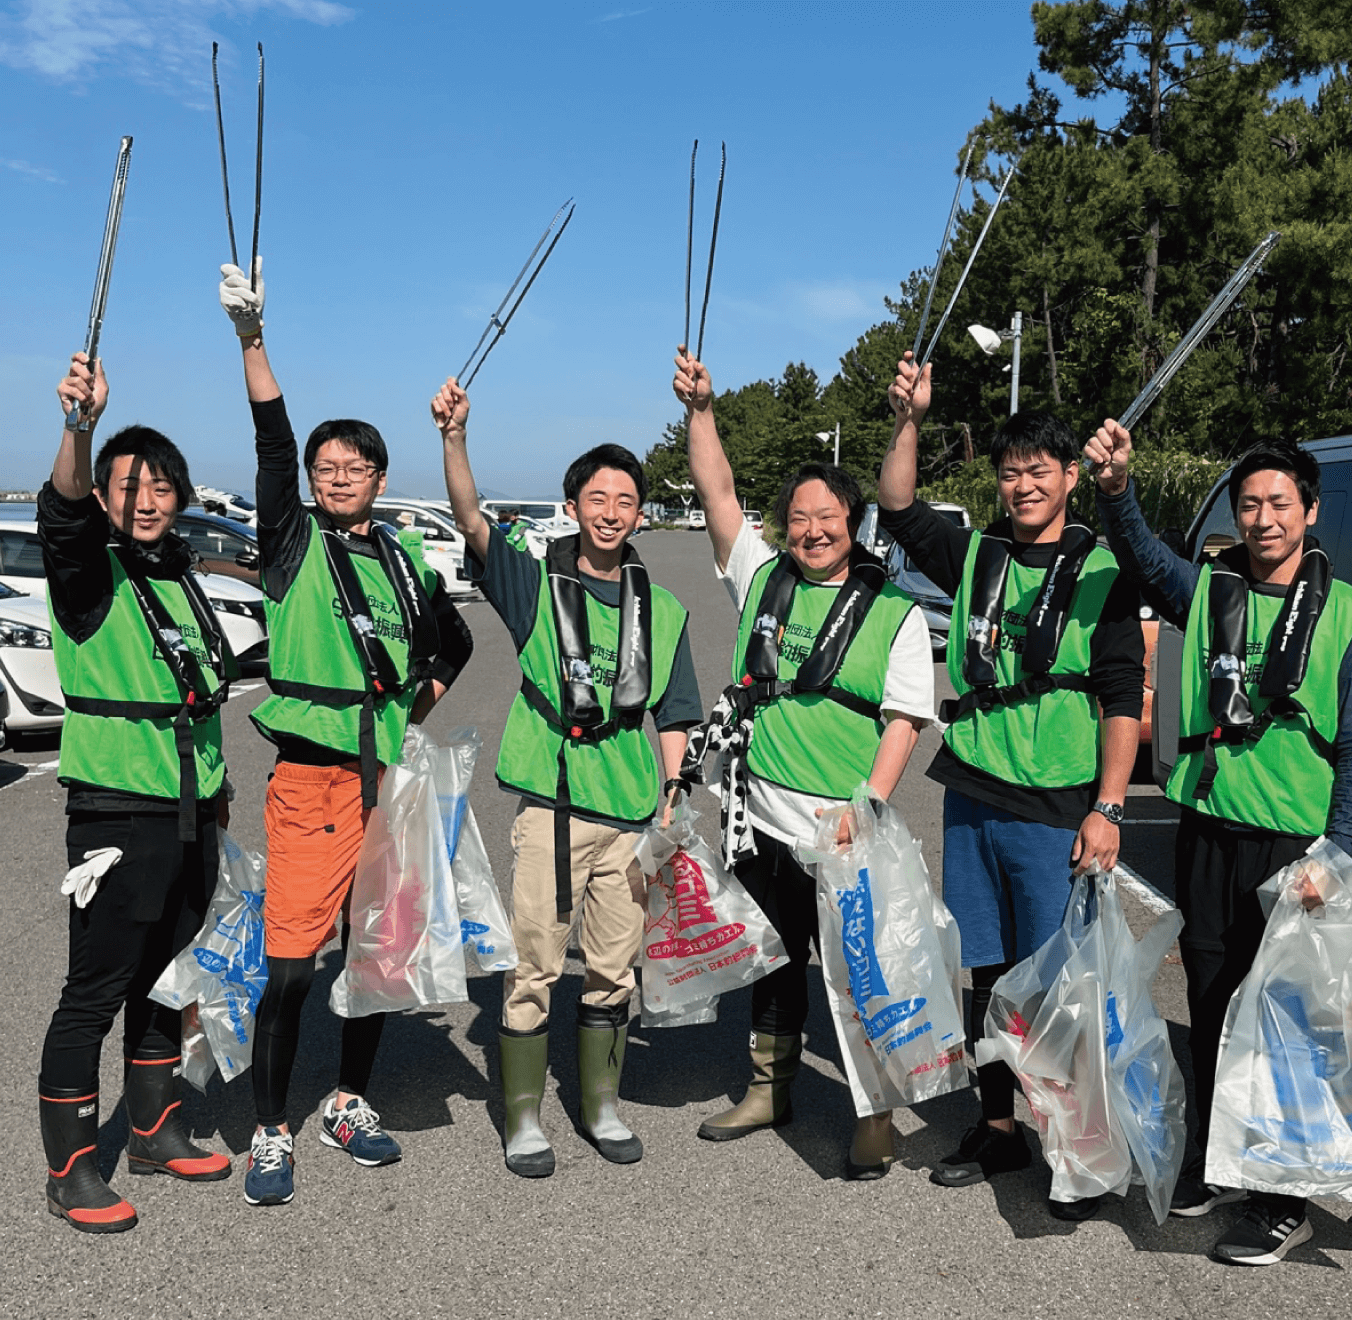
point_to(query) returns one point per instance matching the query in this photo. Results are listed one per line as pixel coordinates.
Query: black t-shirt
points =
(283, 538)
(1116, 659)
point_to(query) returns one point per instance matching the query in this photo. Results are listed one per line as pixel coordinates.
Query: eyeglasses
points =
(353, 471)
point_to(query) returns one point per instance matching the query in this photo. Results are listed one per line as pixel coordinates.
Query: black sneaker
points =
(1074, 1212)
(1194, 1197)
(1262, 1237)
(983, 1151)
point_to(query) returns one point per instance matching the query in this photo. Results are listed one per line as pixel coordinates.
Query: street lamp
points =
(826, 436)
(989, 340)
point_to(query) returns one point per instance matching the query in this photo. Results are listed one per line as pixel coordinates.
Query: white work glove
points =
(83, 880)
(243, 305)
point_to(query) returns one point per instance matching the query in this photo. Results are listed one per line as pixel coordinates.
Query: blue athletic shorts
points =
(1006, 880)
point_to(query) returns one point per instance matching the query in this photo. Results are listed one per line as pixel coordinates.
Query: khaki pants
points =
(608, 892)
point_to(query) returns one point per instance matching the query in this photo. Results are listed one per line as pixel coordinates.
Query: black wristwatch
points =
(675, 785)
(1110, 811)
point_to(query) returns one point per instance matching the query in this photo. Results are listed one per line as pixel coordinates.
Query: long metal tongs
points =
(943, 252)
(690, 246)
(78, 417)
(966, 270)
(497, 320)
(258, 167)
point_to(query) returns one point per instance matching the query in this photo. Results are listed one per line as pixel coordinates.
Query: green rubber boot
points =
(524, 1056)
(774, 1065)
(601, 1037)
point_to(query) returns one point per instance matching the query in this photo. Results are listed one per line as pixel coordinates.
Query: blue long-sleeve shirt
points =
(1169, 582)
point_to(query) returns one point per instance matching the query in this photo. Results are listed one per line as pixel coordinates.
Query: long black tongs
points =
(499, 322)
(690, 248)
(225, 173)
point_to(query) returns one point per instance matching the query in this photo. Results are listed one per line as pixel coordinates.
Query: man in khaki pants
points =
(599, 646)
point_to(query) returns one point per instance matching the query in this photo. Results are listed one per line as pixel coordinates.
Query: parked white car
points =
(549, 514)
(443, 544)
(227, 503)
(28, 665)
(238, 606)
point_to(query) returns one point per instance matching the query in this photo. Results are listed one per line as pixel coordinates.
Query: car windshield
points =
(7, 591)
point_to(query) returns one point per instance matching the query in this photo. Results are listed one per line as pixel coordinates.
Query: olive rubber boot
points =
(601, 1037)
(158, 1143)
(75, 1189)
(871, 1152)
(523, 1057)
(774, 1065)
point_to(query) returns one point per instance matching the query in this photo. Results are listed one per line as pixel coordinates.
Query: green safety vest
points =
(122, 697)
(1281, 781)
(311, 652)
(1049, 738)
(813, 742)
(617, 776)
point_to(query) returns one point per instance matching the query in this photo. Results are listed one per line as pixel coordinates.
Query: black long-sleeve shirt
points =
(284, 530)
(1116, 658)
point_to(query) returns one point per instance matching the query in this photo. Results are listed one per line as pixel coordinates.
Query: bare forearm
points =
(72, 474)
(896, 481)
(712, 475)
(894, 751)
(672, 744)
(258, 377)
(1121, 738)
(463, 493)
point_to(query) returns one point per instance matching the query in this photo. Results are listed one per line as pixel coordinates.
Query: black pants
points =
(1218, 868)
(146, 910)
(788, 896)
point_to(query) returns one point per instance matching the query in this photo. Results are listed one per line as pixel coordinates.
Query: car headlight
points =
(21, 634)
(232, 607)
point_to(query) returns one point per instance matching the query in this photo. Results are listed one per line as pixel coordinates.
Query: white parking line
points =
(1174, 821)
(237, 689)
(1142, 889)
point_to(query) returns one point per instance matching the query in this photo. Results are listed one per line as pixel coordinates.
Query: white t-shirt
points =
(908, 689)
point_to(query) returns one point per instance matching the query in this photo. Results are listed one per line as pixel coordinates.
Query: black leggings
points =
(277, 1035)
(146, 909)
(788, 897)
(995, 1080)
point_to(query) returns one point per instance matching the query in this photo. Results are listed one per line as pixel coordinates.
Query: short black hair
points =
(1278, 456)
(837, 480)
(582, 469)
(162, 456)
(1028, 434)
(361, 436)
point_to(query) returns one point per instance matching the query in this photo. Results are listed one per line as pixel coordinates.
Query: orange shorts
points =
(315, 823)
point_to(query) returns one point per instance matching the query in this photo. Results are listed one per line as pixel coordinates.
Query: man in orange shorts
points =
(363, 640)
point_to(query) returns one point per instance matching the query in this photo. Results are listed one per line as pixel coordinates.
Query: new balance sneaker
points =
(1194, 1197)
(983, 1151)
(356, 1129)
(1262, 1237)
(268, 1180)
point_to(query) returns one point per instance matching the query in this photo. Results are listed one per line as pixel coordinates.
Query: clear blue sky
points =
(415, 151)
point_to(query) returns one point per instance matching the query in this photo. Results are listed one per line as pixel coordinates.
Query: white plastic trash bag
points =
(891, 958)
(222, 972)
(1281, 1120)
(703, 934)
(421, 851)
(1076, 1024)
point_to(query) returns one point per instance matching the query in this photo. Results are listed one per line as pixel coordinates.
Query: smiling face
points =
(345, 485)
(1034, 490)
(608, 513)
(818, 534)
(1272, 522)
(139, 502)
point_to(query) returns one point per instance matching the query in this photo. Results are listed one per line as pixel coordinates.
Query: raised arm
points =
(450, 412)
(709, 467)
(244, 306)
(72, 474)
(909, 397)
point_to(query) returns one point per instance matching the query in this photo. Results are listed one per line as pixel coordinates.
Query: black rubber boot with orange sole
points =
(76, 1191)
(158, 1143)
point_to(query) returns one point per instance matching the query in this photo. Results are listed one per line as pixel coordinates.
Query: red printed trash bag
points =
(703, 934)
(1076, 1024)
(891, 960)
(406, 947)
(1282, 1117)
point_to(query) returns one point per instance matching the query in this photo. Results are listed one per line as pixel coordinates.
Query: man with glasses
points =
(363, 640)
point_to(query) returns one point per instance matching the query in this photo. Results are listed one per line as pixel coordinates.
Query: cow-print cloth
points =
(726, 736)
